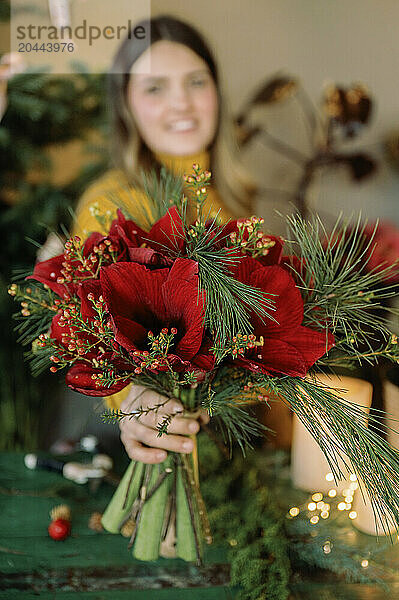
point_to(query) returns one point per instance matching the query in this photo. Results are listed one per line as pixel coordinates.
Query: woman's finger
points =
(180, 425)
(183, 426)
(137, 451)
(170, 442)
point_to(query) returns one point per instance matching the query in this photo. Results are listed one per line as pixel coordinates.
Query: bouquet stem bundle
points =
(164, 508)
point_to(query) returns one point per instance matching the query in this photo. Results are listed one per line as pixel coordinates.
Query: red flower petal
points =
(134, 299)
(184, 305)
(94, 239)
(128, 231)
(168, 232)
(149, 257)
(91, 286)
(79, 378)
(56, 331)
(286, 297)
(48, 271)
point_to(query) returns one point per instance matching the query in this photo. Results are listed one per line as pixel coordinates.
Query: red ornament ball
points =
(59, 529)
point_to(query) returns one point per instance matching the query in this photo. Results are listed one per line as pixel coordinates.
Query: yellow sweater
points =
(112, 190)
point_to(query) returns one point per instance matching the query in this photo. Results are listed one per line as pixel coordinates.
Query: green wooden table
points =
(98, 566)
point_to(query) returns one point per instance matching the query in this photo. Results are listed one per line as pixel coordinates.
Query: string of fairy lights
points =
(321, 506)
(321, 509)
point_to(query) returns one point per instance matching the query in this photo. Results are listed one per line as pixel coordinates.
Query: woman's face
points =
(173, 99)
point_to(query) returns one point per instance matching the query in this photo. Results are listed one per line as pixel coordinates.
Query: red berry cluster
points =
(198, 177)
(79, 337)
(198, 182)
(76, 266)
(250, 239)
(156, 357)
(241, 343)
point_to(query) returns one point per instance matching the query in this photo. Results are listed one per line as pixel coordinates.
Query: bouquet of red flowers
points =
(216, 316)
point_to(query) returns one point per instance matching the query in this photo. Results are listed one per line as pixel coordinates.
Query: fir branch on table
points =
(247, 506)
(326, 548)
(244, 516)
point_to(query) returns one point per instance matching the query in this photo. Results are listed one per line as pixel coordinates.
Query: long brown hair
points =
(131, 154)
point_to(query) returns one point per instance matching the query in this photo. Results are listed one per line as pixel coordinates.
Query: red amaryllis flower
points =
(288, 347)
(142, 302)
(151, 248)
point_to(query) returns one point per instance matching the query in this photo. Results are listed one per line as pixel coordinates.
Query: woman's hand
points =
(140, 436)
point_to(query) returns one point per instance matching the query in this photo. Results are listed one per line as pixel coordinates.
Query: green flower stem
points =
(148, 537)
(187, 542)
(187, 398)
(115, 513)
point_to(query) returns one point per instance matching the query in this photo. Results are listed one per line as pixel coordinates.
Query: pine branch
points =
(229, 302)
(163, 191)
(227, 401)
(339, 292)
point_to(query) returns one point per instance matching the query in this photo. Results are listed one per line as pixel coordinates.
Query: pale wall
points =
(315, 40)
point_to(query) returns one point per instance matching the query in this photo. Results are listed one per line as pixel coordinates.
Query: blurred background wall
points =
(316, 41)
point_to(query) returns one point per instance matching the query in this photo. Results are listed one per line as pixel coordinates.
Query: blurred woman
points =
(167, 110)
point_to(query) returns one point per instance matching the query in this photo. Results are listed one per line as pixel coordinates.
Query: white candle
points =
(310, 470)
(365, 520)
(391, 406)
